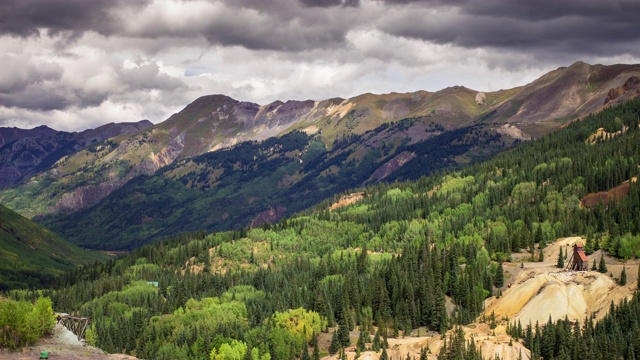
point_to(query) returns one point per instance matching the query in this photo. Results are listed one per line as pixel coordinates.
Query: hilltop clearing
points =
(540, 289)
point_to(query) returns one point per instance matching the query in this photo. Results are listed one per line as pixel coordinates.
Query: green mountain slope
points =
(31, 254)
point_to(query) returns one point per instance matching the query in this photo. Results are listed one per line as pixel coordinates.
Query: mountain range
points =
(222, 163)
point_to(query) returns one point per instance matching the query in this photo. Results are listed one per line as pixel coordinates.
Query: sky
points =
(78, 64)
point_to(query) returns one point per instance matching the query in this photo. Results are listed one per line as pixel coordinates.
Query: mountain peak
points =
(579, 63)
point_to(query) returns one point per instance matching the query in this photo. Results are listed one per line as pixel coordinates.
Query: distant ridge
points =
(85, 176)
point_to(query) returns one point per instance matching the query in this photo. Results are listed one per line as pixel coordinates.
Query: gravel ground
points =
(62, 344)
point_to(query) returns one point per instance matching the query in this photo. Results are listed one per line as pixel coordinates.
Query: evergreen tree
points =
(602, 266)
(361, 341)
(623, 276)
(539, 238)
(376, 344)
(423, 354)
(560, 263)
(589, 245)
(316, 349)
(384, 355)
(247, 354)
(343, 330)
(594, 267)
(498, 280)
(335, 343)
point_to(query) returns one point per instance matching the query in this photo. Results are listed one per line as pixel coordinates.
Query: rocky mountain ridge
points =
(217, 122)
(26, 152)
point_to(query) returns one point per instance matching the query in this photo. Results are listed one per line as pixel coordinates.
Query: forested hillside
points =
(31, 255)
(421, 254)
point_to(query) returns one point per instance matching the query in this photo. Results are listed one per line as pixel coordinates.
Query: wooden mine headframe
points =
(77, 325)
(578, 260)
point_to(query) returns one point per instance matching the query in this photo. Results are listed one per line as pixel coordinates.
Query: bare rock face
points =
(632, 84)
(392, 166)
(481, 98)
(89, 195)
(269, 216)
(168, 154)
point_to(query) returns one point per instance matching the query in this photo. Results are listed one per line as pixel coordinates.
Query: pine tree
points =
(335, 343)
(539, 238)
(343, 330)
(560, 263)
(384, 355)
(423, 354)
(594, 267)
(498, 281)
(316, 350)
(247, 354)
(305, 354)
(588, 246)
(360, 345)
(376, 344)
(623, 276)
(602, 266)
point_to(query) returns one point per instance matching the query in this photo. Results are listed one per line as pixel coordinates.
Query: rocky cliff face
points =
(24, 155)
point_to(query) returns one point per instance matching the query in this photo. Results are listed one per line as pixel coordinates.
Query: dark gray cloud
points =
(300, 25)
(27, 17)
(35, 98)
(103, 59)
(329, 3)
(575, 27)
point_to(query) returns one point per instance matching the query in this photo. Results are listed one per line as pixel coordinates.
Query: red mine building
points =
(579, 260)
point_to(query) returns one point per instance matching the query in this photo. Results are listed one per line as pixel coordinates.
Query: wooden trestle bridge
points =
(77, 325)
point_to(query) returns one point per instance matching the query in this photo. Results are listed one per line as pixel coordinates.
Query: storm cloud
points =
(76, 64)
